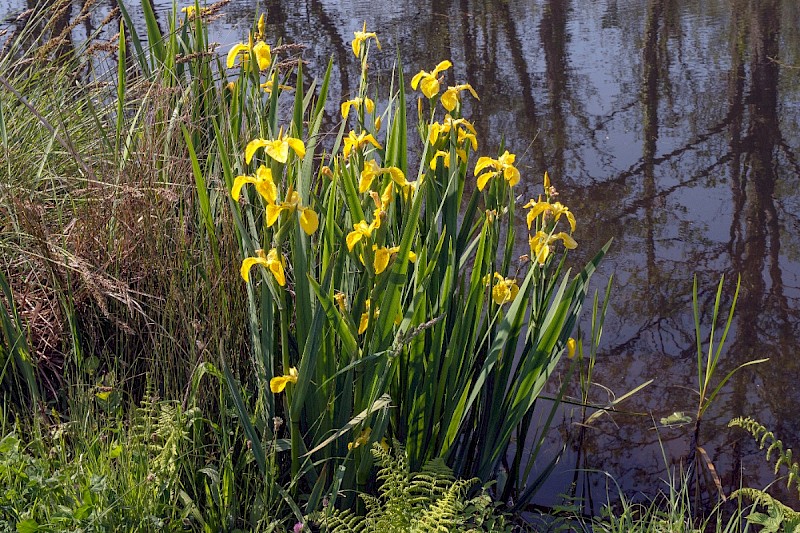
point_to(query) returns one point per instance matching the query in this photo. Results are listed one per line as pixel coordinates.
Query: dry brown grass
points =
(122, 254)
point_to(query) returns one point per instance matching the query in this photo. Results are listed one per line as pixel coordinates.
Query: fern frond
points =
(759, 497)
(430, 500)
(447, 512)
(766, 438)
(343, 521)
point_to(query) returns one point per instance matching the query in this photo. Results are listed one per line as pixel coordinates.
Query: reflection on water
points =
(670, 125)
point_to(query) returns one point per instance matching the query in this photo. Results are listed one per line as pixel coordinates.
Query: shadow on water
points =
(669, 125)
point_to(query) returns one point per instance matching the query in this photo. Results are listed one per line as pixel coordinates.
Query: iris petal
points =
(234, 52)
(297, 146)
(278, 150)
(251, 148)
(382, 256)
(238, 183)
(248, 263)
(309, 221)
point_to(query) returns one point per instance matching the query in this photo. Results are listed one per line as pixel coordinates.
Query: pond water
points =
(669, 125)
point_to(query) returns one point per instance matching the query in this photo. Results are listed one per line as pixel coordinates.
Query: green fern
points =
(158, 434)
(764, 437)
(427, 501)
(779, 516)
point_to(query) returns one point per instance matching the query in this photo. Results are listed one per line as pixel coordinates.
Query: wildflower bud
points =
(326, 171)
(376, 198)
(546, 181)
(341, 301)
(570, 348)
(261, 26)
(231, 86)
(378, 124)
(552, 192)
(491, 214)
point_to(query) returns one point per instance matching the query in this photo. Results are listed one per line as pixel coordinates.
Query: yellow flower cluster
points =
(430, 85)
(255, 48)
(265, 185)
(542, 241)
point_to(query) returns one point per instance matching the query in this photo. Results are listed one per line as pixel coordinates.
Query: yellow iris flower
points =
(429, 81)
(541, 244)
(371, 170)
(504, 164)
(241, 51)
(309, 221)
(277, 149)
(464, 136)
(341, 301)
(369, 105)
(263, 182)
(462, 155)
(267, 86)
(504, 290)
(361, 440)
(465, 130)
(271, 261)
(452, 96)
(408, 189)
(435, 161)
(384, 254)
(354, 142)
(555, 210)
(361, 38)
(363, 323)
(190, 11)
(360, 230)
(278, 383)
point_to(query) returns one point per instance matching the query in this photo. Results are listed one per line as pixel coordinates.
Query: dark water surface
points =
(669, 125)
